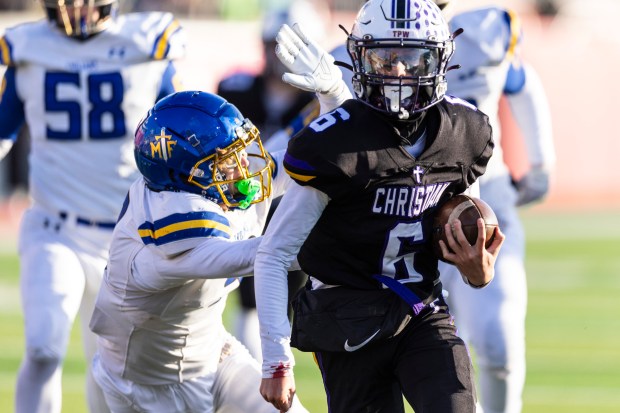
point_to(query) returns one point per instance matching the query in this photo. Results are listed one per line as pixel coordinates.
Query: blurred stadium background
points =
(573, 247)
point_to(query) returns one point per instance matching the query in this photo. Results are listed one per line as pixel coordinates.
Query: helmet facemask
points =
(402, 77)
(241, 172)
(400, 51)
(81, 19)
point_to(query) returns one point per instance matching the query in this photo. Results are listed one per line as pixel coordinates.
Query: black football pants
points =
(427, 363)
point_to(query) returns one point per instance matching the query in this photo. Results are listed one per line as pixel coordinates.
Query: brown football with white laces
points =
(466, 209)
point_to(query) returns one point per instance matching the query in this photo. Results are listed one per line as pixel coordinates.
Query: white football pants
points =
(232, 388)
(492, 320)
(61, 267)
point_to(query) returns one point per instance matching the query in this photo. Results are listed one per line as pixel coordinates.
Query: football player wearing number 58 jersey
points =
(80, 80)
(369, 176)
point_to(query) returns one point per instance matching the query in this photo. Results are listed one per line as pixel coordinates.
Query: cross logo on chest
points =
(417, 173)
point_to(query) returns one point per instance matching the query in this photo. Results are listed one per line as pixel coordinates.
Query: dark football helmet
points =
(198, 142)
(80, 19)
(400, 51)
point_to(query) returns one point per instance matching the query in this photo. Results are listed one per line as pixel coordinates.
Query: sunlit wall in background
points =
(576, 53)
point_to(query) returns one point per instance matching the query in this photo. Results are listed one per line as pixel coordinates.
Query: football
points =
(467, 209)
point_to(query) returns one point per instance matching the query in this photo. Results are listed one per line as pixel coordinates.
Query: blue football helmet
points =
(80, 19)
(198, 142)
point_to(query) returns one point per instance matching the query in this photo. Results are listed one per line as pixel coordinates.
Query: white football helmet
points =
(400, 51)
(80, 18)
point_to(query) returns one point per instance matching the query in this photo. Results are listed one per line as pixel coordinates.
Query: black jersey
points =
(378, 220)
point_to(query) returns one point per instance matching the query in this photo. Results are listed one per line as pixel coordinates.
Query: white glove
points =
(533, 186)
(312, 68)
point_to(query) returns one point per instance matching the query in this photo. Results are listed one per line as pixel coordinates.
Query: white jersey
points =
(172, 263)
(485, 51)
(82, 101)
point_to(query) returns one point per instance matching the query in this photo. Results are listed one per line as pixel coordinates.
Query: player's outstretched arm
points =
(311, 67)
(475, 262)
(530, 109)
(298, 212)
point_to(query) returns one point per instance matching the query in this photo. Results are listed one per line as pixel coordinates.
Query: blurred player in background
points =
(81, 80)
(189, 227)
(492, 320)
(369, 176)
(272, 104)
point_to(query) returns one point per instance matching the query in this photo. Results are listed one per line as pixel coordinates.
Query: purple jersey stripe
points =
(296, 163)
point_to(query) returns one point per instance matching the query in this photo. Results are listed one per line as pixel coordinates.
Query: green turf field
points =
(573, 324)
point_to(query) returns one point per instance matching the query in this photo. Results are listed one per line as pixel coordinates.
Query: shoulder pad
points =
(160, 33)
(465, 135)
(342, 150)
(135, 37)
(18, 38)
(453, 100)
(491, 33)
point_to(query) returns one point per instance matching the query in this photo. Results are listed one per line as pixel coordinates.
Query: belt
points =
(88, 222)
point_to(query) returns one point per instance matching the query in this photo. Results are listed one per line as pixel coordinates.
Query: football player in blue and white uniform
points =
(189, 228)
(492, 320)
(81, 80)
(369, 176)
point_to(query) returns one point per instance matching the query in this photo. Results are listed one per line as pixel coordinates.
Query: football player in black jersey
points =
(370, 175)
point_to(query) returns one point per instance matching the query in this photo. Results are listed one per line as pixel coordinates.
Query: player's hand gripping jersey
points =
(393, 192)
(82, 100)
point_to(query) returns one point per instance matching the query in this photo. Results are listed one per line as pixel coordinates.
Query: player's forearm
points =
(530, 108)
(213, 258)
(295, 217)
(271, 290)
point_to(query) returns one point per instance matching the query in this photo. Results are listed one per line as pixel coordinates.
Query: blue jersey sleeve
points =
(11, 107)
(515, 78)
(170, 82)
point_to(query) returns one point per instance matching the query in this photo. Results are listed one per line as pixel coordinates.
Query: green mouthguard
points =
(249, 188)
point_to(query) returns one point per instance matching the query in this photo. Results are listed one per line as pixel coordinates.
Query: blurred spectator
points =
(547, 8)
(233, 9)
(16, 5)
